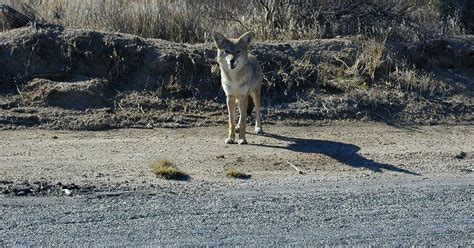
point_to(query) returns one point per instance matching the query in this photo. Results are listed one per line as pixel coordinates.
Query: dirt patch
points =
(68, 95)
(121, 159)
(62, 78)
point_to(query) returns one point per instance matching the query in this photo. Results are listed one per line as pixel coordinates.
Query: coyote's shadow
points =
(342, 152)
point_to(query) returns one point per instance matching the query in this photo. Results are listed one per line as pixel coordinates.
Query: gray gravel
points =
(400, 211)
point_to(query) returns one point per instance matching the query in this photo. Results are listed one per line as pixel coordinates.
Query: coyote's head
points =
(232, 53)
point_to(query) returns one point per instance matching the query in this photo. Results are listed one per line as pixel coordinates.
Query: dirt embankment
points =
(55, 77)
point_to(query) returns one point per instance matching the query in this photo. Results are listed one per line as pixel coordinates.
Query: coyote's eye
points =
(237, 52)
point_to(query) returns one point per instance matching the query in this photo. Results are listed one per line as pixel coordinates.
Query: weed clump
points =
(166, 169)
(233, 173)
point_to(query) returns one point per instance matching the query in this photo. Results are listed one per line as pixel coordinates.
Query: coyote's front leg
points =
(258, 118)
(231, 109)
(243, 102)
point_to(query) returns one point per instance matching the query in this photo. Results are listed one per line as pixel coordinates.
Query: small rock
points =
(20, 193)
(21, 190)
(461, 155)
(71, 186)
(67, 192)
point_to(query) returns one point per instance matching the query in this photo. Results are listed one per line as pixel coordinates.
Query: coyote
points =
(241, 77)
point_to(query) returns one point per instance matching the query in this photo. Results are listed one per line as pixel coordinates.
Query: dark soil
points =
(43, 188)
(61, 78)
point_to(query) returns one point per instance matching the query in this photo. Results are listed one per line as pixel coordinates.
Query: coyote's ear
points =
(246, 38)
(219, 39)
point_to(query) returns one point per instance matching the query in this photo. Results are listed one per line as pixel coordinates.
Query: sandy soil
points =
(325, 152)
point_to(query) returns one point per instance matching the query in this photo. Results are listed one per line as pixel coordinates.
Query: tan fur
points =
(241, 79)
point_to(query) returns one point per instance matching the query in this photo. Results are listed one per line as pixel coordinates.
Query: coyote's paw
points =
(229, 141)
(258, 130)
(242, 141)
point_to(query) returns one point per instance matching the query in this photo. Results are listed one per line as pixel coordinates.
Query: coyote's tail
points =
(250, 106)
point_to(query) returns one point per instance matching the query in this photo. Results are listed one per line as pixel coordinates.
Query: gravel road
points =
(398, 212)
(364, 183)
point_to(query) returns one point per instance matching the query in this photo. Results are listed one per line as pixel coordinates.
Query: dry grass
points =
(410, 80)
(374, 66)
(370, 59)
(166, 169)
(233, 173)
(193, 21)
(360, 72)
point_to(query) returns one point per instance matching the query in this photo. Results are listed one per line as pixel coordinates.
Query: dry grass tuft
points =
(166, 169)
(233, 173)
(370, 59)
(410, 80)
(355, 73)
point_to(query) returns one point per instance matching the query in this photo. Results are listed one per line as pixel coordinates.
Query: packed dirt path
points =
(363, 184)
(325, 152)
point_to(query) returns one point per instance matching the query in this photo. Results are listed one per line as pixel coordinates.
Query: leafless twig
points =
(340, 60)
(21, 94)
(296, 168)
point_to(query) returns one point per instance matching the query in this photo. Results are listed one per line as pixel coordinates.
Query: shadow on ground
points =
(342, 152)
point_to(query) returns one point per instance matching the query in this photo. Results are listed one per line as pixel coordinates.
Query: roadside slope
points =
(62, 78)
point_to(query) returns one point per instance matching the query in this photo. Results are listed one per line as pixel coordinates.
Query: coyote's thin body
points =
(241, 78)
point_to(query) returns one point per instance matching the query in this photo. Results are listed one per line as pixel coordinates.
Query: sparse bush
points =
(166, 169)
